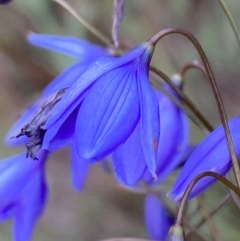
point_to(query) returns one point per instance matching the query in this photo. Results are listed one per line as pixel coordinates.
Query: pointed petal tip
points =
(155, 177)
(29, 33)
(174, 196)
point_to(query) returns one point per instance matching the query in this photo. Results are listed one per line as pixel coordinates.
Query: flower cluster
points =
(86, 107)
(104, 105)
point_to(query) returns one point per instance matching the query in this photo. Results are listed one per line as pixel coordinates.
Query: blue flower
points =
(85, 53)
(90, 103)
(102, 108)
(157, 219)
(129, 161)
(211, 155)
(23, 192)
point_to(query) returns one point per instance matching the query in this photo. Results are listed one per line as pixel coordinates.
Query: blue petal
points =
(128, 159)
(211, 155)
(173, 140)
(30, 207)
(174, 129)
(66, 78)
(150, 125)
(15, 173)
(64, 134)
(67, 45)
(77, 92)
(111, 103)
(7, 211)
(157, 219)
(79, 169)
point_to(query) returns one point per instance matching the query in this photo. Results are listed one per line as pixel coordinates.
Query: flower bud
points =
(176, 233)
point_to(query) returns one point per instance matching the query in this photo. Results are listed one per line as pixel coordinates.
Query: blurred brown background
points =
(103, 209)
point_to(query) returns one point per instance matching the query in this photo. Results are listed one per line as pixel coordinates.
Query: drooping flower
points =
(85, 53)
(157, 219)
(101, 94)
(211, 155)
(128, 160)
(23, 192)
(104, 105)
(30, 120)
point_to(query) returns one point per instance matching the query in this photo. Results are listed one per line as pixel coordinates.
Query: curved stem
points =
(118, 12)
(231, 20)
(182, 205)
(186, 100)
(213, 83)
(85, 23)
(171, 210)
(234, 197)
(212, 227)
(221, 204)
(188, 66)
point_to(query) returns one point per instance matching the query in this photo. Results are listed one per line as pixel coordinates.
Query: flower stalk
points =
(184, 199)
(207, 127)
(213, 83)
(85, 23)
(231, 20)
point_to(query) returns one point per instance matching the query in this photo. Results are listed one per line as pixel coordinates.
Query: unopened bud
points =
(177, 79)
(176, 233)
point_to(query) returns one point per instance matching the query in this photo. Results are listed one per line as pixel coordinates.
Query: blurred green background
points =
(104, 210)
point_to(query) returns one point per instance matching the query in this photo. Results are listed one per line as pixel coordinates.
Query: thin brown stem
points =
(188, 66)
(185, 99)
(183, 202)
(235, 199)
(221, 204)
(213, 83)
(172, 211)
(231, 20)
(207, 216)
(85, 23)
(107, 41)
(118, 12)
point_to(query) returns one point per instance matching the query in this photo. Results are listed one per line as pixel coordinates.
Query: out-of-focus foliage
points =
(104, 210)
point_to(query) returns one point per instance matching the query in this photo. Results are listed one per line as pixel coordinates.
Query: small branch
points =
(194, 65)
(85, 23)
(231, 20)
(183, 202)
(213, 83)
(224, 201)
(207, 216)
(185, 99)
(118, 13)
(172, 211)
